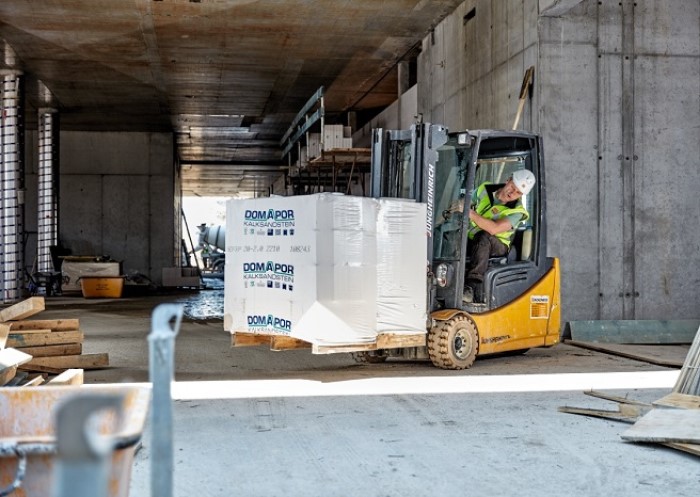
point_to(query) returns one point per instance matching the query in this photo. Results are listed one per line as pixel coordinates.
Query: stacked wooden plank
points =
(31, 350)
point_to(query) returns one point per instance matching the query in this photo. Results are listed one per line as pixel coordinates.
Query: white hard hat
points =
(524, 180)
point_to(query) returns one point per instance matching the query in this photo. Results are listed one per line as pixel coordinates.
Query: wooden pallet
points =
(283, 342)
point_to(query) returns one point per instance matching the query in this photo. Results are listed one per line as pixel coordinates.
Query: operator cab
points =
(431, 165)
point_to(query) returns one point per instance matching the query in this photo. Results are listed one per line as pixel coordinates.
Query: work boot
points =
(474, 287)
(468, 295)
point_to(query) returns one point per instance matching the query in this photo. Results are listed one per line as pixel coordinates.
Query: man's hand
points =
(456, 206)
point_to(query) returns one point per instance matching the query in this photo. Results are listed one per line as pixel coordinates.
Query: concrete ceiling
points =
(226, 76)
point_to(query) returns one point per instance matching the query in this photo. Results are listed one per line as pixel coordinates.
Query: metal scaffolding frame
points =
(11, 188)
(47, 222)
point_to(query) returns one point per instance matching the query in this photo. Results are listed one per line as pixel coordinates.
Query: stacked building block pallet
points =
(34, 350)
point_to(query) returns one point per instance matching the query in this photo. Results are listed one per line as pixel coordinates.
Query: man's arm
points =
(489, 225)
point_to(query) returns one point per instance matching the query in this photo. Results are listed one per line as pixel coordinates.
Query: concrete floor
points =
(251, 422)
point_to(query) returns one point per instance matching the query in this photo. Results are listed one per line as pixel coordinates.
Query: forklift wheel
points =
(369, 357)
(454, 343)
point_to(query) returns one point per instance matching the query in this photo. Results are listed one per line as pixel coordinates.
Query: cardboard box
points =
(73, 270)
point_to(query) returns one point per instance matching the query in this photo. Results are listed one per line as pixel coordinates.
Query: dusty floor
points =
(252, 422)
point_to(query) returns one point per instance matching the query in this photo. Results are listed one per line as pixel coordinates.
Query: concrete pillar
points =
(47, 221)
(403, 77)
(11, 187)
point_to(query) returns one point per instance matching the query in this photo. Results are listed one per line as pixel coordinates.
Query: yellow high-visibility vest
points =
(495, 212)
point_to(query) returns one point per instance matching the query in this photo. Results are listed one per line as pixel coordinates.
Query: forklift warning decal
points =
(539, 307)
(260, 323)
(269, 275)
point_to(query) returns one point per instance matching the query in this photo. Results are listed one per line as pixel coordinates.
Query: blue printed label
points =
(269, 222)
(268, 275)
(268, 323)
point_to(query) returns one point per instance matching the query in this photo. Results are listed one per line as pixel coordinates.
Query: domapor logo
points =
(269, 218)
(269, 274)
(261, 322)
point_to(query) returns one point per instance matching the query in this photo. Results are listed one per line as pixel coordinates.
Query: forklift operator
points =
(496, 211)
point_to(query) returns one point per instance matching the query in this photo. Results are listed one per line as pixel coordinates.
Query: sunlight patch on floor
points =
(248, 389)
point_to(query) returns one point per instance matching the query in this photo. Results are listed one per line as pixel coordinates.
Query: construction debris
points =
(48, 346)
(22, 310)
(689, 380)
(672, 421)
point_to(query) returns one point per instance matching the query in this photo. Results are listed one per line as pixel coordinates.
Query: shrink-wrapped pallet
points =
(288, 253)
(329, 269)
(401, 267)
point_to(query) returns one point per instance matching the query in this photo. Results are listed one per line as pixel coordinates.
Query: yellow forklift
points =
(520, 298)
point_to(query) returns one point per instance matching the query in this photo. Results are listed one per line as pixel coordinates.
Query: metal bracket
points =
(84, 455)
(165, 324)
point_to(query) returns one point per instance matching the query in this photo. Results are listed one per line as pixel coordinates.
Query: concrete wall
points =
(399, 115)
(117, 198)
(617, 100)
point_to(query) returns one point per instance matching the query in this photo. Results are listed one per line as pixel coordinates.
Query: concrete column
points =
(404, 77)
(11, 187)
(47, 222)
(627, 160)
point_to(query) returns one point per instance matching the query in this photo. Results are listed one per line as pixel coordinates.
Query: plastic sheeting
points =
(325, 268)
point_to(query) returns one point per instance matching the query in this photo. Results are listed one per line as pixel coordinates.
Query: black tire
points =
(218, 266)
(453, 344)
(368, 357)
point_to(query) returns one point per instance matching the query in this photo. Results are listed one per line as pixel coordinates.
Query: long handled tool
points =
(524, 92)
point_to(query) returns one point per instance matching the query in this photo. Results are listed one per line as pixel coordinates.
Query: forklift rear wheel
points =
(454, 343)
(369, 357)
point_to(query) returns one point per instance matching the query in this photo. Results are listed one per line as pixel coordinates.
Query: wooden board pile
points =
(672, 421)
(33, 352)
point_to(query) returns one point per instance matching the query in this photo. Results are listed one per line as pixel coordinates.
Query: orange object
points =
(102, 286)
(28, 429)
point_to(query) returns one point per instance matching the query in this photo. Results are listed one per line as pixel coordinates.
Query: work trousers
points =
(483, 246)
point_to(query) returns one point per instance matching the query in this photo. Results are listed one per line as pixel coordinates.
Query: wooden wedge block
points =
(20, 377)
(7, 375)
(54, 350)
(68, 377)
(4, 333)
(45, 324)
(24, 309)
(61, 363)
(31, 339)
